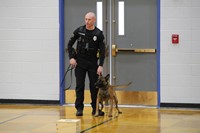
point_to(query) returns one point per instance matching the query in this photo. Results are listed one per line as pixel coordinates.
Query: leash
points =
(70, 68)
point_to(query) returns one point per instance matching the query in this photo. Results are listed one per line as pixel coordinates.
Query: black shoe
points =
(101, 113)
(79, 113)
(93, 112)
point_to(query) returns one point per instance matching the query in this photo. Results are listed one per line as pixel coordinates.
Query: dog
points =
(107, 92)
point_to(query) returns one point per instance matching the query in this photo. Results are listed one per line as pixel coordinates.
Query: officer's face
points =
(89, 21)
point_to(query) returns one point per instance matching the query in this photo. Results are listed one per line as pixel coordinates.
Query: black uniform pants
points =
(83, 67)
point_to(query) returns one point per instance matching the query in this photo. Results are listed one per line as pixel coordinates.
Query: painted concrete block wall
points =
(29, 49)
(180, 63)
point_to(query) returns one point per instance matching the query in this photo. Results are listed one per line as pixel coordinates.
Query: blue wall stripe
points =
(61, 50)
(158, 52)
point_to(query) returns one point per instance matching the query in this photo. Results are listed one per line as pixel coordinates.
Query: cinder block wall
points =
(29, 49)
(180, 63)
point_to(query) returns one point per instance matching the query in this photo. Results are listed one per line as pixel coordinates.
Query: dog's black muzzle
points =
(99, 84)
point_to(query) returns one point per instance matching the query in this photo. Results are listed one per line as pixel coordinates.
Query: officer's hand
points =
(72, 62)
(100, 70)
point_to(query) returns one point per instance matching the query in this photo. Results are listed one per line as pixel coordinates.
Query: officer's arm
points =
(71, 43)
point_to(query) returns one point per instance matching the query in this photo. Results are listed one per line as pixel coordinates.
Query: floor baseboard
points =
(180, 105)
(28, 101)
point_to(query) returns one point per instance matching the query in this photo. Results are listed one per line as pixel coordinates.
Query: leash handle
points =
(70, 68)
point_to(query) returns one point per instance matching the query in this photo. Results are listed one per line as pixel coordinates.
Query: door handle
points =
(115, 50)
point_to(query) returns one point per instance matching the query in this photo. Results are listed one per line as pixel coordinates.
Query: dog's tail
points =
(121, 86)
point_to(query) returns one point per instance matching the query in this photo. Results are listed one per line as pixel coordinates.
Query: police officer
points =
(90, 41)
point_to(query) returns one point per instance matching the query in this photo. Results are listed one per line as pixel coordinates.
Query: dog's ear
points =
(107, 77)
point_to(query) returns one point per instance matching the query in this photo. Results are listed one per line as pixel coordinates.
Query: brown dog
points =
(107, 92)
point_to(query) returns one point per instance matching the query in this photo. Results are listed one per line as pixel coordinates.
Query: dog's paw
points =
(96, 115)
(120, 112)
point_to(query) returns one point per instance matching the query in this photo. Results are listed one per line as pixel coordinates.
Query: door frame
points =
(62, 50)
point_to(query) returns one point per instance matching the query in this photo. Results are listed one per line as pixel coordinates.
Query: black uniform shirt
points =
(93, 37)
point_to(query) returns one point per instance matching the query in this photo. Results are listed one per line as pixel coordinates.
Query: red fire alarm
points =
(175, 38)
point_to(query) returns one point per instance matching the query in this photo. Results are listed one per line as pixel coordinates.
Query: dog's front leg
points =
(100, 102)
(97, 107)
(111, 108)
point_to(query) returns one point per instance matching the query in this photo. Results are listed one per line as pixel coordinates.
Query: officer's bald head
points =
(91, 15)
(90, 19)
